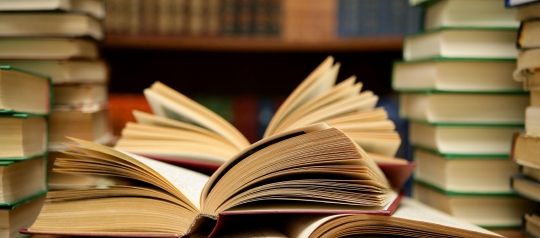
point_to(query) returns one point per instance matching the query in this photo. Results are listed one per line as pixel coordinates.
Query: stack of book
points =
(60, 38)
(25, 100)
(456, 89)
(526, 144)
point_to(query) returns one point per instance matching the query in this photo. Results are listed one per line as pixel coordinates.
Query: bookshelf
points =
(368, 43)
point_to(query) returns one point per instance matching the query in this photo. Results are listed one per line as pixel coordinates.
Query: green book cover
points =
(461, 194)
(463, 156)
(14, 204)
(51, 91)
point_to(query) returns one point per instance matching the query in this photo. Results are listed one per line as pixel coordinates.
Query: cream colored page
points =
(411, 209)
(189, 182)
(302, 226)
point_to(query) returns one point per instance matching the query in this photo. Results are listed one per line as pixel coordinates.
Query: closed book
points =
(464, 173)
(24, 179)
(483, 140)
(525, 186)
(50, 25)
(469, 13)
(47, 49)
(528, 34)
(531, 224)
(464, 108)
(23, 91)
(528, 11)
(23, 136)
(467, 43)
(525, 150)
(515, 3)
(527, 70)
(451, 75)
(95, 8)
(488, 210)
(20, 215)
(66, 71)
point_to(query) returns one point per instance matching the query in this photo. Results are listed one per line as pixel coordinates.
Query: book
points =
(20, 215)
(80, 96)
(467, 13)
(22, 179)
(527, 68)
(23, 136)
(528, 11)
(528, 34)
(313, 169)
(95, 8)
(50, 25)
(464, 173)
(24, 91)
(469, 43)
(531, 224)
(91, 124)
(455, 76)
(494, 140)
(525, 150)
(14, 48)
(515, 3)
(532, 120)
(70, 71)
(316, 99)
(411, 219)
(533, 173)
(488, 210)
(525, 186)
(464, 108)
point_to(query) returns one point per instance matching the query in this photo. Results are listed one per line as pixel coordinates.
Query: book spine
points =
(274, 14)
(369, 17)
(245, 17)
(196, 17)
(213, 10)
(179, 17)
(348, 18)
(164, 17)
(227, 17)
(261, 17)
(133, 16)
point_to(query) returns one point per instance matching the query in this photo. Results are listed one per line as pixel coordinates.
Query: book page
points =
(411, 209)
(303, 225)
(189, 182)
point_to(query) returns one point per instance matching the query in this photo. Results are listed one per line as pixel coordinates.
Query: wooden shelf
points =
(251, 44)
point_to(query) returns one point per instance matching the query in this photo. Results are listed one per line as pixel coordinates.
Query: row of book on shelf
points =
(290, 20)
(466, 112)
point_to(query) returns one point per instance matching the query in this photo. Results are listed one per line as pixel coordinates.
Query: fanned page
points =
(411, 218)
(166, 102)
(189, 184)
(316, 83)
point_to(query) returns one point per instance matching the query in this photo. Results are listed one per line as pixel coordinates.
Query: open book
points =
(181, 131)
(314, 169)
(411, 219)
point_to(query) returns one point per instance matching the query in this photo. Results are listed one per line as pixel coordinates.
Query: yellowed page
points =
(189, 183)
(181, 108)
(298, 95)
(412, 209)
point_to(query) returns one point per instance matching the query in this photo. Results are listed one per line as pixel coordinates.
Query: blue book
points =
(348, 18)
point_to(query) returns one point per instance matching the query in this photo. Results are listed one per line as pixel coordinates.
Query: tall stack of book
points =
(60, 38)
(24, 108)
(456, 90)
(526, 145)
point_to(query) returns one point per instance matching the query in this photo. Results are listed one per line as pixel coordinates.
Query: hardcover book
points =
(315, 170)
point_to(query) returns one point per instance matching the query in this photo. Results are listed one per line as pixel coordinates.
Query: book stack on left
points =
(456, 89)
(25, 99)
(526, 144)
(60, 38)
